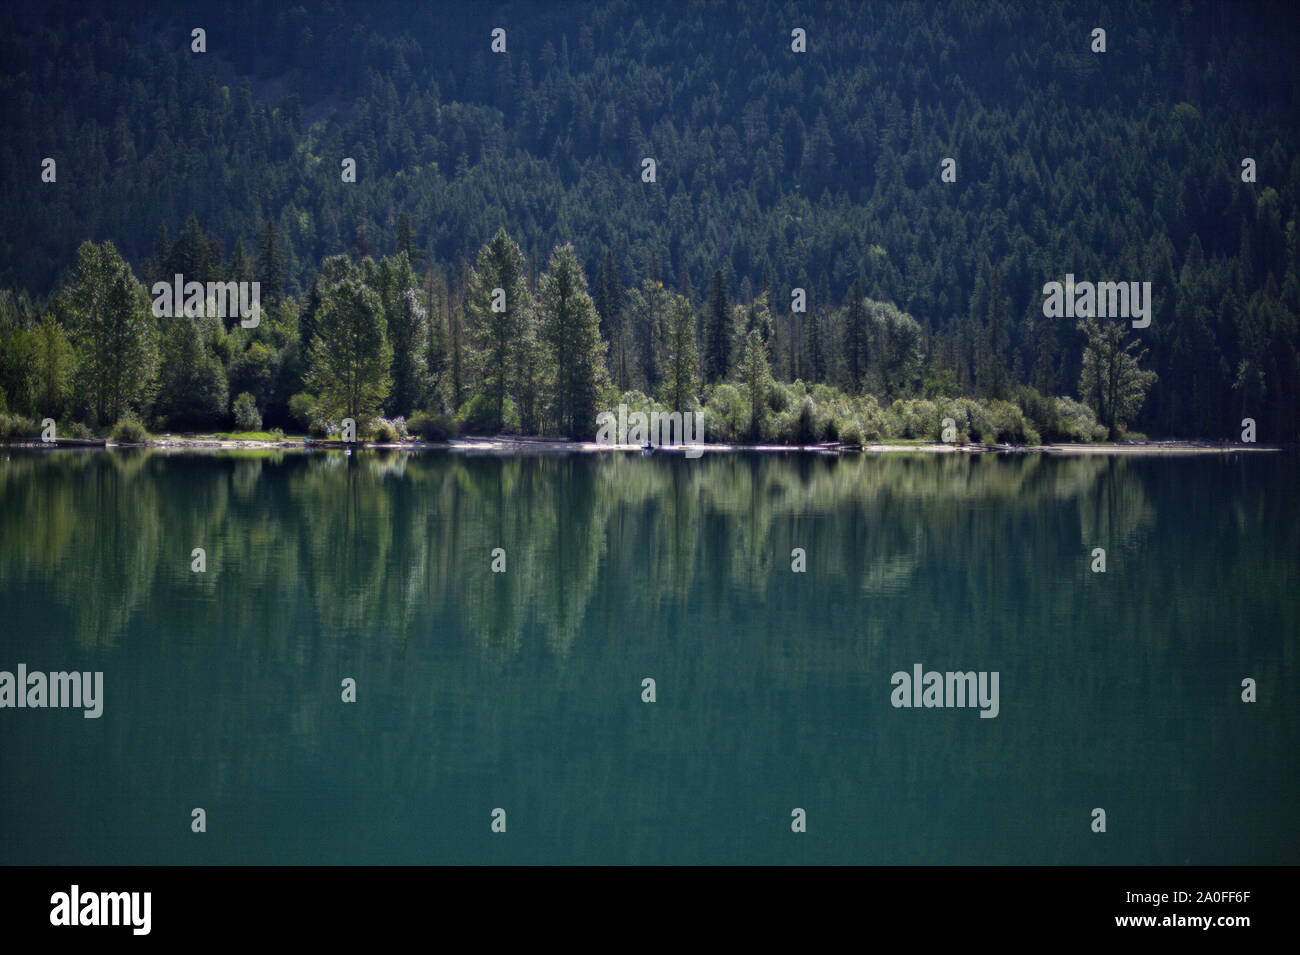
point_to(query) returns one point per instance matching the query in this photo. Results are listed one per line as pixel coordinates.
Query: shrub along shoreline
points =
(790, 416)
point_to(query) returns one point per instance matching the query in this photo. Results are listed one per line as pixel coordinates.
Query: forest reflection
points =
(379, 542)
(472, 683)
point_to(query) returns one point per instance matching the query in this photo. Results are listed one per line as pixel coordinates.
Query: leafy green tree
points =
(54, 363)
(18, 378)
(253, 371)
(113, 333)
(1111, 381)
(247, 417)
(350, 354)
(898, 347)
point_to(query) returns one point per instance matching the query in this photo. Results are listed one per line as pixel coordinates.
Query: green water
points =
(523, 690)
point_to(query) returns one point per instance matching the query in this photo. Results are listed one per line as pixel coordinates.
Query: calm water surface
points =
(523, 690)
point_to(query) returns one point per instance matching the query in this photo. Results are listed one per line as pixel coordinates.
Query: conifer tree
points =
(575, 353)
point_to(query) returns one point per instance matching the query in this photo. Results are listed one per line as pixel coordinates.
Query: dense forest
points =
(780, 176)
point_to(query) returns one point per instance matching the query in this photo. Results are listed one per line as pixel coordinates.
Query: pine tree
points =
(817, 357)
(500, 309)
(192, 388)
(404, 242)
(457, 349)
(755, 377)
(191, 256)
(571, 334)
(1045, 358)
(855, 338)
(162, 254)
(405, 320)
(682, 360)
(239, 270)
(270, 265)
(647, 309)
(995, 371)
(717, 356)
(436, 325)
(609, 298)
(307, 318)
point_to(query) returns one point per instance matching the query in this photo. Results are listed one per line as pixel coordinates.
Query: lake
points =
(523, 690)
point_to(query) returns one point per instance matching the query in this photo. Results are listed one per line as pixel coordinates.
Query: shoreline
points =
(520, 445)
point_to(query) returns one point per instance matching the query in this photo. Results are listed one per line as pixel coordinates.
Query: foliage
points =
(570, 330)
(1111, 381)
(755, 376)
(384, 432)
(302, 407)
(350, 354)
(247, 417)
(479, 417)
(18, 426)
(129, 430)
(113, 332)
(776, 172)
(433, 426)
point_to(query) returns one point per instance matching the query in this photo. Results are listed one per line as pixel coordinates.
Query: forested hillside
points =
(775, 170)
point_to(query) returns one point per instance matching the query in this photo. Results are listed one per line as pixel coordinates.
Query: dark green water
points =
(522, 690)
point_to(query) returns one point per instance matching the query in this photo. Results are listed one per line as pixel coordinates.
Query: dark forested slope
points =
(774, 169)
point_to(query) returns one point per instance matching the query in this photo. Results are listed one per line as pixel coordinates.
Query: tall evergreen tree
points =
(571, 334)
(192, 389)
(406, 321)
(608, 297)
(500, 310)
(240, 270)
(755, 378)
(995, 371)
(855, 338)
(435, 285)
(717, 356)
(404, 240)
(816, 330)
(682, 360)
(270, 265)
